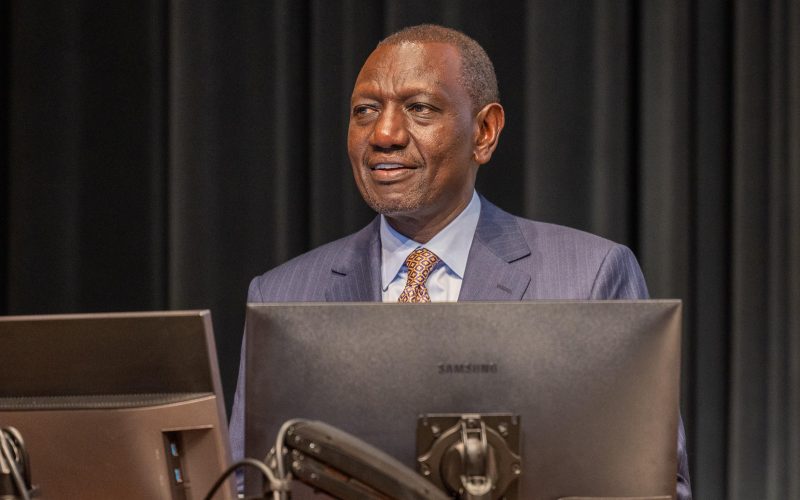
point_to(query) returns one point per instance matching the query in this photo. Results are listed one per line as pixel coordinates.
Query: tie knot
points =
(420, 263)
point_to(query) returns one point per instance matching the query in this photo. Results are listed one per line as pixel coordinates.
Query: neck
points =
(423, 228)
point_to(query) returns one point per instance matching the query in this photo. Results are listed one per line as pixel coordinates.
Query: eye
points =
(419, 108)
(363, 110)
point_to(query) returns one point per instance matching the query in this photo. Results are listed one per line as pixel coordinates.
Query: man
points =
(425, 114)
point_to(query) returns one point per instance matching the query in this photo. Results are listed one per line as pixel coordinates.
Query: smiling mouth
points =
(391, 173)
(389, 166)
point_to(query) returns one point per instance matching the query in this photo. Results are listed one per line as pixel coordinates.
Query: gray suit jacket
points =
(510, 259)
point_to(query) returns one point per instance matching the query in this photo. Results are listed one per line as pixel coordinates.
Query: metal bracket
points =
(474, 456)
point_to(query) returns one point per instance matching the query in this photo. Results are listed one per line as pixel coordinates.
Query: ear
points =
(488, 124)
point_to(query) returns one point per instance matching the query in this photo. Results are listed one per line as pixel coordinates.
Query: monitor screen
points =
(592, 385)
(122, 405)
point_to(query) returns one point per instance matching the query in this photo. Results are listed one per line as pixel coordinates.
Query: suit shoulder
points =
(300, 279)
(538, 233)
(502, 230)
(598, 267)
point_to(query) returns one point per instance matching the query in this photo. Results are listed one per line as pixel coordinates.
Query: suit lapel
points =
(355, 272)
(497, 243)
(489, 274)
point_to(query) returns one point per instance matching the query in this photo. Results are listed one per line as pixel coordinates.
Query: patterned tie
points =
(420, 262)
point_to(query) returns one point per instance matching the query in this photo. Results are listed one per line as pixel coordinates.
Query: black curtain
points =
(158, 155)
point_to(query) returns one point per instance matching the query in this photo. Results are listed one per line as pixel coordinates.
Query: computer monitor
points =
(125, 405)
(593, 386)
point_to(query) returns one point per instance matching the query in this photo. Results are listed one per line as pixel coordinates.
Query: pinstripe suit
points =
(510, 259)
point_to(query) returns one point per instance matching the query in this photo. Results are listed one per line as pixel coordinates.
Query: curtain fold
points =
(84, 157)
(709, 343)
(160, 154)
(792, 458)
(762, 387)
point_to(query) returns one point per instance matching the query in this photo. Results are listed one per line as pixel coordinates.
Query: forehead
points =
(407, 66)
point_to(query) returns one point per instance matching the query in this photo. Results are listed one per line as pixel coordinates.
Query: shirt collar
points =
(451, 244)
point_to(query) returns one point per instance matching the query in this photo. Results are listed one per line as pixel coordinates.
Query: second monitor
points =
(116, 405)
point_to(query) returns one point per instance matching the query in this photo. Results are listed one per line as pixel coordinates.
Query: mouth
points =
(387, 172)
(388, 166)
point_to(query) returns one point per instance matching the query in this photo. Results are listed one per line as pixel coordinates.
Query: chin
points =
(393, 207)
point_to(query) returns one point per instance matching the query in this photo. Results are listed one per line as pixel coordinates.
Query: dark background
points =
(159, 154)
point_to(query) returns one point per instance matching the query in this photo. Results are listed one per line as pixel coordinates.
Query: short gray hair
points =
(477, 71)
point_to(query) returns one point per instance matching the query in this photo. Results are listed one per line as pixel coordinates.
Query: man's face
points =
(412, 133)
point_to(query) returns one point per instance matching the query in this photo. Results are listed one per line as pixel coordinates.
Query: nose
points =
(390, 130)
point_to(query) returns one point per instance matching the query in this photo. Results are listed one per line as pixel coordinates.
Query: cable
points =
(279, 443)
(6, 437)
(279, 485)
(276, 485)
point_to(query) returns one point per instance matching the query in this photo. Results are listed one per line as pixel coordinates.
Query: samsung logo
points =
(447, 368)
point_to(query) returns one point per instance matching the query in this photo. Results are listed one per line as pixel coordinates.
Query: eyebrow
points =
(372, 92)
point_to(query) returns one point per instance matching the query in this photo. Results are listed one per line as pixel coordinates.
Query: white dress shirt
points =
(451, 245)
